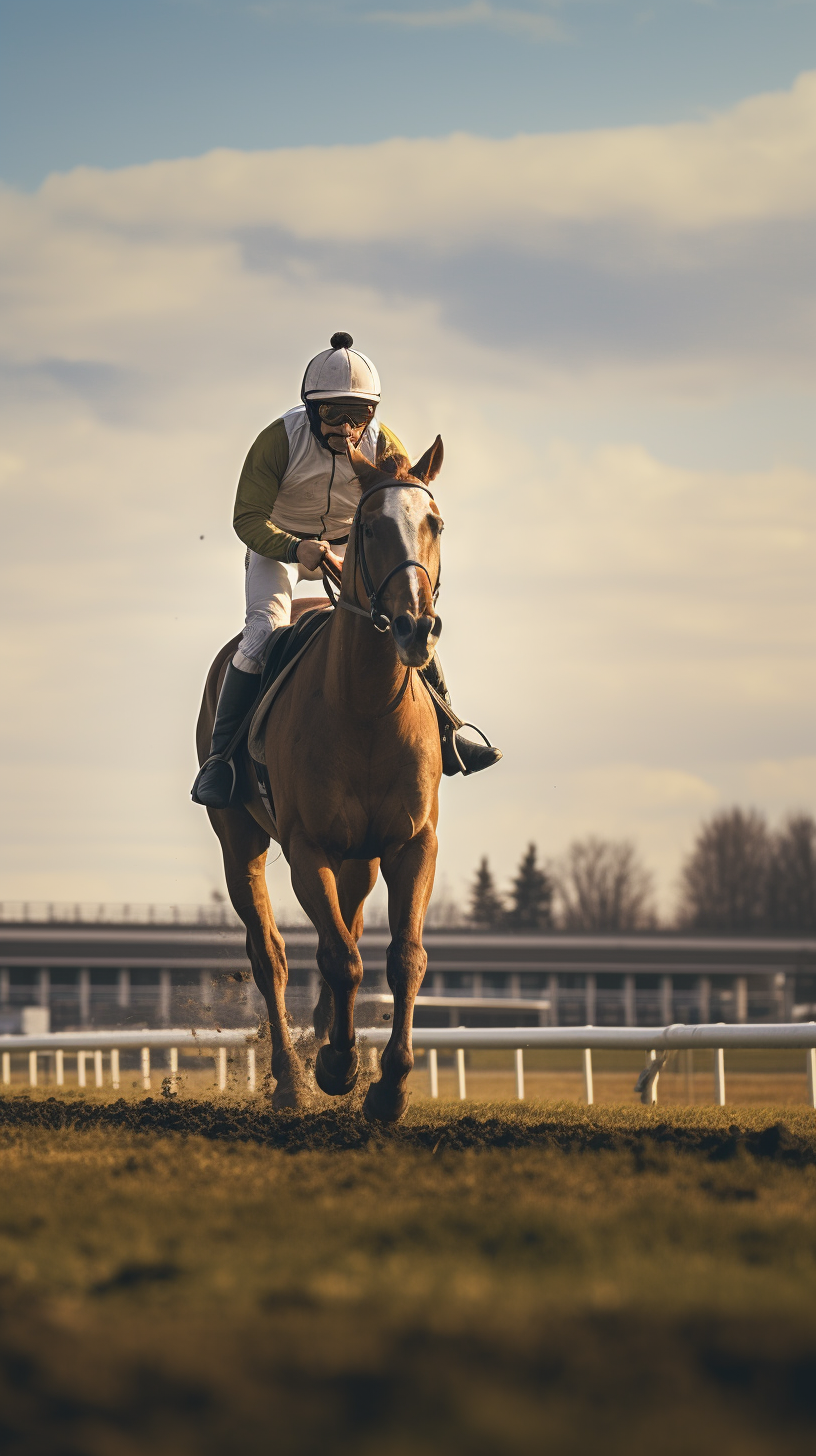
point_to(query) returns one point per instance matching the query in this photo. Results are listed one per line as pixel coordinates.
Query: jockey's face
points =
(343, 422)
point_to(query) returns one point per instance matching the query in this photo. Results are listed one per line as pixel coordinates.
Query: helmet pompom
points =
(341, 341)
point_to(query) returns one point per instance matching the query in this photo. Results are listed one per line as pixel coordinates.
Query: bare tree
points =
(792, 880)
(602, 885)
(530, 896)
(724, 882)
(486, 907)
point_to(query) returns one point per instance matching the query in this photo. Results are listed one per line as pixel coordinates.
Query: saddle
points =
(287, 645)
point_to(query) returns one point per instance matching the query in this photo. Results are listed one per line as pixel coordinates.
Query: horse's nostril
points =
(402, 627)
(425, 627)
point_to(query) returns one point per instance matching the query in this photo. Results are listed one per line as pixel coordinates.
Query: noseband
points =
(381, 620)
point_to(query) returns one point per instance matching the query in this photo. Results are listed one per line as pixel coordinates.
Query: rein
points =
(375, 613)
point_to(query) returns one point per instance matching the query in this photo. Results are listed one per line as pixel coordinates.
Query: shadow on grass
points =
(351, 1383)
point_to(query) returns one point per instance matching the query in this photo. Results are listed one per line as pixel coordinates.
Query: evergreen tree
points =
(531, 895)
(486, 908)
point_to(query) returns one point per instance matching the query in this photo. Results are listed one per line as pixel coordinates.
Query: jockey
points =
(296, 498)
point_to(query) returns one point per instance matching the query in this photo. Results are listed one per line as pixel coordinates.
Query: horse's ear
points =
(366, 473)
(431, 462)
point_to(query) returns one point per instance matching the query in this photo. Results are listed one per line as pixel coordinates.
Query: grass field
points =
(201, 1277)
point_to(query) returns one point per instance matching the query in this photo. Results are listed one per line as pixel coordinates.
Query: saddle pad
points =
(281, 660)
(285, 644)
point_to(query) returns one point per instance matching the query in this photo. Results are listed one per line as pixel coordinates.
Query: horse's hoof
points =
(336, 1072)
(384, 1103)
(292, 1092)
(290, 1097)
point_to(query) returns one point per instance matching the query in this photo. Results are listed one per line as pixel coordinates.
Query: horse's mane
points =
(396, 464)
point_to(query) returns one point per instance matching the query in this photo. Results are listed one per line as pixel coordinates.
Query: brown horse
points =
(353, 754)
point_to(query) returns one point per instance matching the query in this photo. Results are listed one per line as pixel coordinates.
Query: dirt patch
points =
(342, 1128)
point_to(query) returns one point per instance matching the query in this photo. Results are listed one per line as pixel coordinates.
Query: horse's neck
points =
(363, 672)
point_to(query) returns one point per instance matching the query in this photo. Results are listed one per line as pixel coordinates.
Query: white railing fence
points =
(93, 1044)
(655, 1041)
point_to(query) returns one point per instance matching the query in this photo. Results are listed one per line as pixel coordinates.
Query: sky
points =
(577, 239)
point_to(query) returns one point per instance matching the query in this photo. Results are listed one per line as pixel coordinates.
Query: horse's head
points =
(396, 550)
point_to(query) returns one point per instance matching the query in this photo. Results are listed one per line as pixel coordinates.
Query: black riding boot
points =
(216, 777)
(459, 755)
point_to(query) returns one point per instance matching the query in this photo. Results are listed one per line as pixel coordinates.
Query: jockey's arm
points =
(257, 492)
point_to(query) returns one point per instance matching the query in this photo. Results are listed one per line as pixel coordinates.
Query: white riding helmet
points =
(340, 372)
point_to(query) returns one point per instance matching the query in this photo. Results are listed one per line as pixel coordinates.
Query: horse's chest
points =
(357, 802)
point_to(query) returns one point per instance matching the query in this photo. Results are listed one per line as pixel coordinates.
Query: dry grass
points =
(427, 1290)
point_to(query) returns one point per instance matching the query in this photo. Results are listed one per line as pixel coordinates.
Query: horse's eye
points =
(367, 531)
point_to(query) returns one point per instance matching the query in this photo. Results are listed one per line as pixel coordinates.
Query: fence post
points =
(811, 1071)
(174, 1069)
(251, 1068)
(146, 1068)
(115, 1067)
(433, 1072)
(6, 1069)
(719, 1077)
(520, 1074)
(222, 1069)
(653, 1087)
(460, 1072)
(81, 1068)
(98, 1068)
(32, 1069)
(589, 1089)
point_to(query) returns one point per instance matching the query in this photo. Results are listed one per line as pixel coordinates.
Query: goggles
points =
(346, 412)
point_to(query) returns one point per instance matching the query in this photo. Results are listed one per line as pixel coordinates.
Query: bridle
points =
(375, 613)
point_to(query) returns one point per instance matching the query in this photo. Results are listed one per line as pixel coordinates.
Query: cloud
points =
(781, 785)
(508, 19)
(680, 256)
(750, 164)
(597, 295)
(635, 631)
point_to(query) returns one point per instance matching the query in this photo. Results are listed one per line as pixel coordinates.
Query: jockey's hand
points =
(311, 553)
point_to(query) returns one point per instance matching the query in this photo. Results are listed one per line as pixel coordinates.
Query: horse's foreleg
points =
(314, 881)
(244, 846)
(355, 881)
(409, 874)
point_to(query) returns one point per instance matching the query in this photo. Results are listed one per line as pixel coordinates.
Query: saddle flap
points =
(288, 646)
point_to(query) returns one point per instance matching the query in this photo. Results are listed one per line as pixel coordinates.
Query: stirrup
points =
(215, 758)
(476, 729)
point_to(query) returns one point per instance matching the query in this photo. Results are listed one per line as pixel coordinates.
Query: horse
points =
(354, 761)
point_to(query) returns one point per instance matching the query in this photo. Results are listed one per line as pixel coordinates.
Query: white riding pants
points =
(270, 587)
